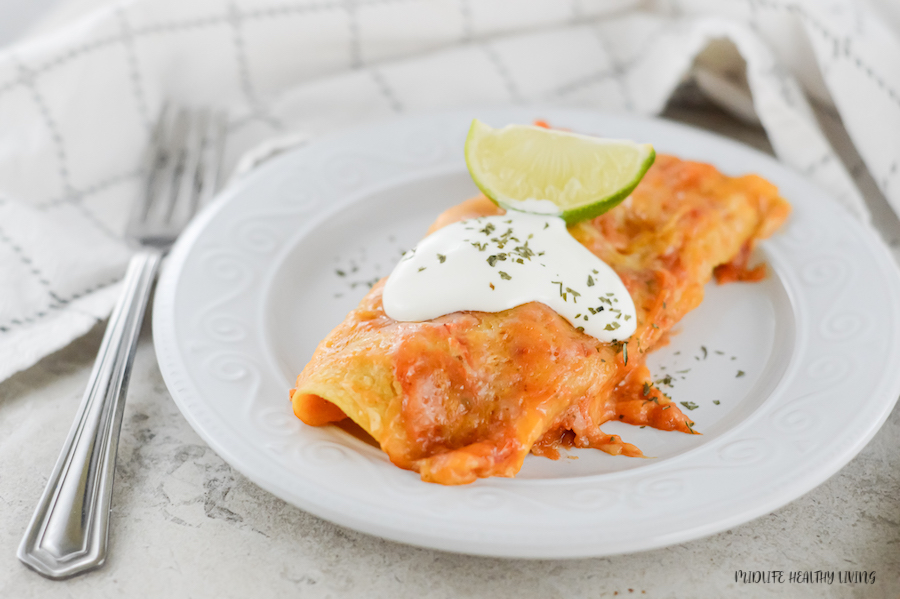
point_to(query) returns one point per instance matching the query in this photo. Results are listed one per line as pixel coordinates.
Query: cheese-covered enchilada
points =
(469, 394)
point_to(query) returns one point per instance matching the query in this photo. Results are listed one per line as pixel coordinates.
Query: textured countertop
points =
(185, 524)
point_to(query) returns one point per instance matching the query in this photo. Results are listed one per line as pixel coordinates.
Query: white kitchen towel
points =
(77, 103)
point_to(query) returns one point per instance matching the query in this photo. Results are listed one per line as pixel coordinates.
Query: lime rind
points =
(496, 169)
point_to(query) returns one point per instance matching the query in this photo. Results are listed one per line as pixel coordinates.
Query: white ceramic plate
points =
(803, 365)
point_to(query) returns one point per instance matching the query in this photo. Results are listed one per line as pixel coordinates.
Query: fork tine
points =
(213, 149)
(153, 161)
(163, 203)
(185, 201)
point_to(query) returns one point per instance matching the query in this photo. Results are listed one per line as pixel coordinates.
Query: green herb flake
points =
(481, 246)
(667, 406)
(646, 389)
(611, 326)
(504, 276)
(574, 293)
(523, 251)
(690, 405)
(441, 258)
(716, 402)
(421, 268)
(703, 349)
(590, 281)
(666, 380)
(340, 273)
(740, 373)
(562, 293)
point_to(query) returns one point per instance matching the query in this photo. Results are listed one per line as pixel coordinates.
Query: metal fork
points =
(68, 533)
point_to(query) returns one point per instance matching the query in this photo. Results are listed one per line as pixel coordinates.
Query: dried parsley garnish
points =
(562, 293)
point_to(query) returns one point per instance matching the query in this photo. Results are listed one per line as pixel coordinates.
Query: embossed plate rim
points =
(490, 517)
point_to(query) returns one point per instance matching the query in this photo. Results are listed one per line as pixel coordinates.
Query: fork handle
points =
(68, 532)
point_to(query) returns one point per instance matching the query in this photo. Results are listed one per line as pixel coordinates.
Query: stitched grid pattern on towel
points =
(76, 107)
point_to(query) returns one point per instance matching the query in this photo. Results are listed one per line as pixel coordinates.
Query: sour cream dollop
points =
(494, 263)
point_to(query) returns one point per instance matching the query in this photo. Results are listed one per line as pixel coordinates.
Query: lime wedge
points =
(544, 171)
